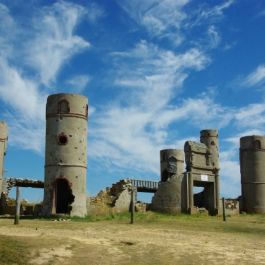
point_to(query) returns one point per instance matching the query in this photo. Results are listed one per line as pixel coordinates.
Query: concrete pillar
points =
(66, 155)
(252, 168)
(171, 163)
(3, 148)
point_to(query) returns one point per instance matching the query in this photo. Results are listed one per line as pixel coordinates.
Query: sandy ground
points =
(111, 243)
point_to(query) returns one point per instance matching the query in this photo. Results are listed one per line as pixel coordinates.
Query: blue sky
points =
(155, 73)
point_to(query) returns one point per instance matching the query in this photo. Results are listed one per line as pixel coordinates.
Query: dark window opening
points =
(257, 144)
(86, 110)
(212, 143)
(64, 197)
(164, 176)
(172, 159)
(62, 139)
(63, 106)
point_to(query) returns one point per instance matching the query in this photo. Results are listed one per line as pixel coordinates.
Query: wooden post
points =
(191, 203)
(16, 222)
(132, 204)
(217, 190)
(223, 202)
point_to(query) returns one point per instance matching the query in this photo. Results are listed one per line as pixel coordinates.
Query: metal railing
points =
(145, 185)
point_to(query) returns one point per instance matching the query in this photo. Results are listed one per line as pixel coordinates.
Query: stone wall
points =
(116, 199)
(168, 197)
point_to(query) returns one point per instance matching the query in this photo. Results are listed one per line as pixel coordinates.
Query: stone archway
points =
(63, 196)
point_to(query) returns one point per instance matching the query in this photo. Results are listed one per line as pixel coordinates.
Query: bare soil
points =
(166, 240)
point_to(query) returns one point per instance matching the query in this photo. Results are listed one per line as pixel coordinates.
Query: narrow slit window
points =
(63, 106)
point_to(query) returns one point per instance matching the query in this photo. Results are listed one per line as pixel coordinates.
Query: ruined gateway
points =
(175, 193)
(66, 167)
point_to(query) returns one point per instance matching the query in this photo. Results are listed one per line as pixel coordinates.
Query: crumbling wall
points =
(232, 206)
(111, 200)
(168, 197)
(8, 207)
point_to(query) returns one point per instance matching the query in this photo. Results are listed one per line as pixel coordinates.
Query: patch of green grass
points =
(13, 251)
(242, 224)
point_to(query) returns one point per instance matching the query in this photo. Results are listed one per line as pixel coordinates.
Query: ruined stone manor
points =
(196, 165)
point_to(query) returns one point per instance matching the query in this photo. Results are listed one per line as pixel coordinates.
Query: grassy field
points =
(153, 239)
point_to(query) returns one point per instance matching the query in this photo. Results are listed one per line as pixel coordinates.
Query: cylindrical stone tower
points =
(66, 155)
(3, 147)
(171, 163)
(210, 139)
(168, 197)
(252, 168)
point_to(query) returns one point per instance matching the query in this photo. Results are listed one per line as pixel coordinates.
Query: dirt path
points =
(111, 243)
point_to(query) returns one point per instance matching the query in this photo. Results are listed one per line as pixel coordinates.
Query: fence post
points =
(223, 202)
(132, 204)
(16, 221)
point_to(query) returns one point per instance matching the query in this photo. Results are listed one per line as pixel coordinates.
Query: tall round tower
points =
(252, 168)
(171, 163)
(66, 155)
(3, 147)
(210, 139)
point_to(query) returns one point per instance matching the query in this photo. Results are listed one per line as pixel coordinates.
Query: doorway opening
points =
(64, 197)
(203, 195)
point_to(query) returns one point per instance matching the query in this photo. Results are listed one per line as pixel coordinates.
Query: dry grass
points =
(153, 239)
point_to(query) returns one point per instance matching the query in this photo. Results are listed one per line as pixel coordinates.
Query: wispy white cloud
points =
(7, 31)
(159, 18)
(20, 93)
(198, 111)
(256, 78)
(213, 13)
(171, 19)
(214, 36)
(46, 45)
(26, 104)
(158, 73)
(94, 12)
(78, 83)
(251, 116)
(261, 13)
(131, 132)
(54, 41)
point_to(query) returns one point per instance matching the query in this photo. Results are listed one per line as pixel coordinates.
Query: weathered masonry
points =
(202, 170)
(252, 168)
(66, 155)
(170, 193)
(175, 192)
(3, 148)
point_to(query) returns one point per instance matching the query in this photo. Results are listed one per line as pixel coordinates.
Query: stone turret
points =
(66, 155)
(171, 163)
(210, 139)
(170, 190)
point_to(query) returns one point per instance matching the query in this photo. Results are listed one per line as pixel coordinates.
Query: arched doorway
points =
(64, 196)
